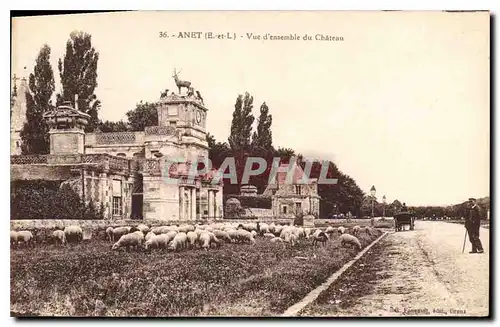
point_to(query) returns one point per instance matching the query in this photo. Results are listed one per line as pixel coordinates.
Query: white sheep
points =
(179, 242)
(204, 241)
(271, 235)
(277, 240)
(25, 237)
(292, 239)
(192, 239)
(13, 237)
(264, 228)
(59, 237)
(157, 241)
(186, 228)
(355, 230)
(157, 229)
(73, 233)
(341, 230)
(347, 239)
(307, 232)
(367, 230)
(223, 235)
(143, 228)
(244, 236)
(233, 234)
(131, 240)
(330, 230)
(149, 236)
(254, 233)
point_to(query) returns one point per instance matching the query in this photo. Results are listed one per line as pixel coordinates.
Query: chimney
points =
(76, 101)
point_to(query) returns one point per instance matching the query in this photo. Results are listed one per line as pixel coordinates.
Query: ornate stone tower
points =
(67, 125)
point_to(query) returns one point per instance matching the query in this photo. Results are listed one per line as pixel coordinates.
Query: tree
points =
(111, 126)
(41, 85)
(144, 114)
(241, 125)
(262, 138)
(78, 72)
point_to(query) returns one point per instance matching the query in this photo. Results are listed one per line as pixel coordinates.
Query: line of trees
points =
(346, 196)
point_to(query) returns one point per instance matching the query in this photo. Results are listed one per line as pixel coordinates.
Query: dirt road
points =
(413, 273)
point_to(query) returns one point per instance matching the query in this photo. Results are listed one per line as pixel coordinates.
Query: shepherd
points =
(472, 224)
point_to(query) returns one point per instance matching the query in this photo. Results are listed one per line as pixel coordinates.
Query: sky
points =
(401, 103)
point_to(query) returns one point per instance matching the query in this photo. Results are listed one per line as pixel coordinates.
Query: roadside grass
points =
(89, 279)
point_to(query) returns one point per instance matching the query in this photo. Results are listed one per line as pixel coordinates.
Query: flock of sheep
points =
(204, 236)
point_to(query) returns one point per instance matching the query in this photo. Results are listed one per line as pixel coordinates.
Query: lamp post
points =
(384, 201)
(372, 192)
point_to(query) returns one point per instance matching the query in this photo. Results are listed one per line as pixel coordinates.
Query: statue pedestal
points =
(309, 221)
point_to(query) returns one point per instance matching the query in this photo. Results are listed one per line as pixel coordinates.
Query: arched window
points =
(121, 154)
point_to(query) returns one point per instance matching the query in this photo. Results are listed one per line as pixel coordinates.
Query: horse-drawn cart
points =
(403, 218)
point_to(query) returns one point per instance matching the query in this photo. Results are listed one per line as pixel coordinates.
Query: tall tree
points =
(78, 72)
(111, 126)
(262, 139)
(40, 88)
(241, 125)
(144, 114)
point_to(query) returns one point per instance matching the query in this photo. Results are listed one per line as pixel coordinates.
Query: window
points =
(117, 206)
(298, 189)
(173, 123)
(121, 154)
(117, 197)
(285, 209)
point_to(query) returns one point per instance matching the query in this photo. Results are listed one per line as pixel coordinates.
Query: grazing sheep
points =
(204, 241)
(59, 237)
(254, 233)
(73, 233)
(149, 236)
(131, 240)
(319, 237)
(138, 232)
(347, 239)
(367, 230)
(276, 240)
(143, 228)
(13, 237)
(341, 230)
(25, 237)
(264, 228)
(157, 229)
(291, 238)
(330, 230)
(245, 236)
(133, 229)
(214, 240)
(355, 230)
(300, 233)
(119, 232)
(233, 234)
(192, 239)
(186, 228)
(109, 233)
(157, 241)
(223, 235)
(179, 242)
(271, 235)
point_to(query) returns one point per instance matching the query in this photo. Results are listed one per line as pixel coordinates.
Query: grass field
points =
(236, 280)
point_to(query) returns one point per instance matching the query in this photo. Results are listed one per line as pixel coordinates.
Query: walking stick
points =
(465, 238)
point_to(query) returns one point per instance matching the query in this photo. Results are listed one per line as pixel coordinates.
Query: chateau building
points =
(132, 174)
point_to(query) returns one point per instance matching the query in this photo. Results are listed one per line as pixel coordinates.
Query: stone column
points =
(210, 205)
(198, 205)
(181, 203)
(214, 204)
(193, 203)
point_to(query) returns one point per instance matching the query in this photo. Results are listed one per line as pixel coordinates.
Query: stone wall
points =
(46, 172)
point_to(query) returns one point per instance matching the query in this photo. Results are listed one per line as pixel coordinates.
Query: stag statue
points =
(180, 84)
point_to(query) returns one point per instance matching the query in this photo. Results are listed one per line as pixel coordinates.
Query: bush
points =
(258, 201)
(45, 200)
